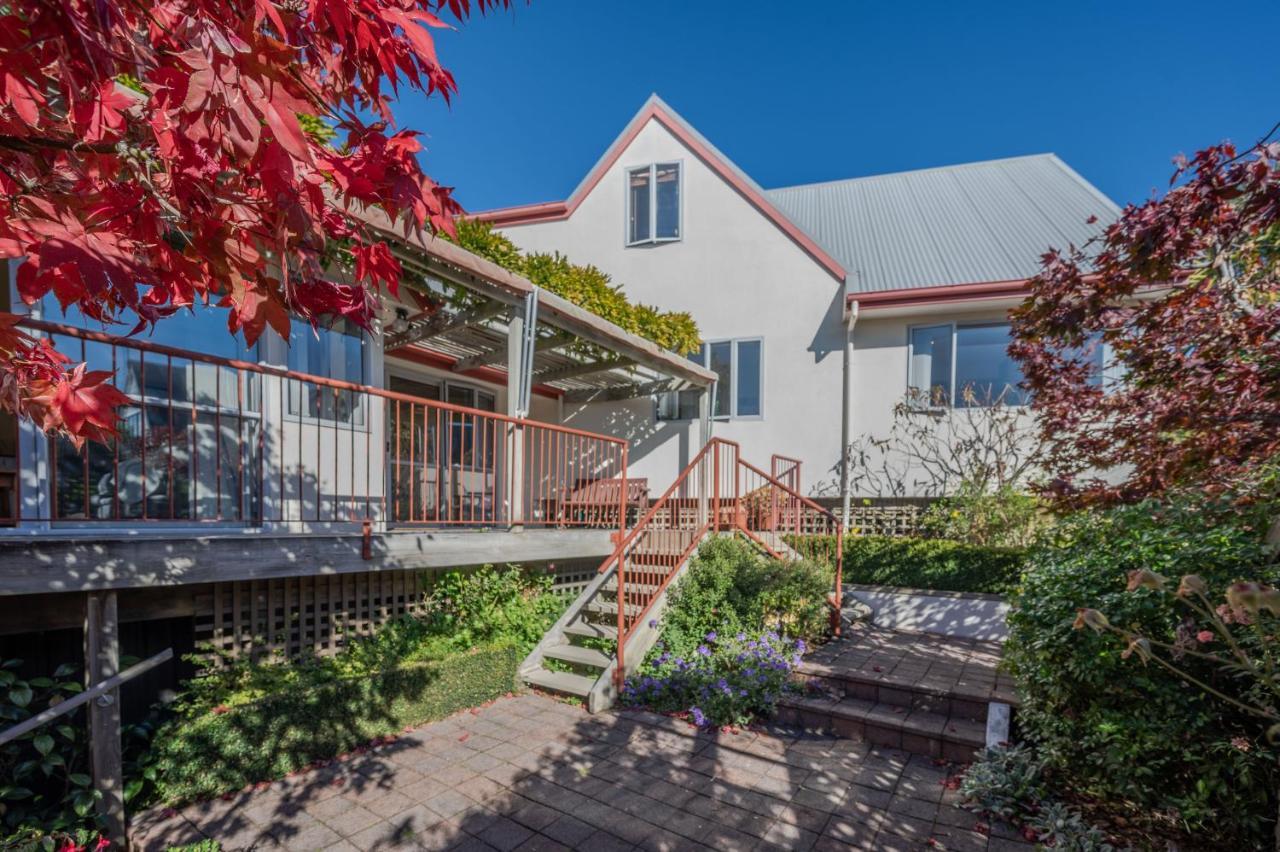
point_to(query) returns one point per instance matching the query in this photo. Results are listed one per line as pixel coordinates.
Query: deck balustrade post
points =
(519, 363)
(704, 437)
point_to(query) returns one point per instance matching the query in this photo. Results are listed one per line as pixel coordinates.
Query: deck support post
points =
(102, 661)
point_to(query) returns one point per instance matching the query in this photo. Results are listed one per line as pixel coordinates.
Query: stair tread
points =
(951, 729)
(611, 607)
(591, 629)
(567, 682)
(578, 654)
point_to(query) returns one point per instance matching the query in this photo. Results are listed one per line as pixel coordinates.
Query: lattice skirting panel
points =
(886, 520)
(297, 616)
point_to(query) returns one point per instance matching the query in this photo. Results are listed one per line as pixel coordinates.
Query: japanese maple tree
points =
(158, 154)
(1184, 291)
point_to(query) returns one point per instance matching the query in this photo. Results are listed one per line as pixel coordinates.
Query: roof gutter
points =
(910, 297)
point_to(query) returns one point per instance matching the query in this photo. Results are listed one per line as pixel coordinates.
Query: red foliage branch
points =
(153, 154)
(1185, 292)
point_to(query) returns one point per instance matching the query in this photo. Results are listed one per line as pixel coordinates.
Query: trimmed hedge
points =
(926, 563)
(215, 751)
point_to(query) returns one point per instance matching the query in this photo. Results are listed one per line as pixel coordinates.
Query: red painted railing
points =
(207, 439)
(717, 492)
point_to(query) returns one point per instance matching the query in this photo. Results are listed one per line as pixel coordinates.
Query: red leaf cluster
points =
(1184, 291)
(153, 155)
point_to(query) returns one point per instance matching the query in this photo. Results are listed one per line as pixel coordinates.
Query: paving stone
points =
(505, 834)
(569, 830)
(529, 773)
(352, 821)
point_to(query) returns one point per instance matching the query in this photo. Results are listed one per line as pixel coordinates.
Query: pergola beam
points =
(498, 354)
(577, 371)
(442, 323)
(634, 390)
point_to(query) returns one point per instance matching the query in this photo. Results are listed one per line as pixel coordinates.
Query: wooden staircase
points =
(606, 632)
(578, 655)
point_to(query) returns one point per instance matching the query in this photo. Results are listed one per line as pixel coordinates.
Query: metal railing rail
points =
(214, 439)
(717, 490)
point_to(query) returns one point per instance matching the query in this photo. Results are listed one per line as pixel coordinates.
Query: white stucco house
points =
(821, 306)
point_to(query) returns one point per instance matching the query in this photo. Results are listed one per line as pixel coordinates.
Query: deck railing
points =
(206, 439)
(717, 491)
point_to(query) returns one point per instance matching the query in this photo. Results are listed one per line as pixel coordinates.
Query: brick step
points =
(964, 701)
(917, 731)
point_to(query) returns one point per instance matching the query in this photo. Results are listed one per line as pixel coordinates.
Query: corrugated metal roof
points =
(963, 224)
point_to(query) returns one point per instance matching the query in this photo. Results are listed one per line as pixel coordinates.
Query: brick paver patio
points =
(531, 773)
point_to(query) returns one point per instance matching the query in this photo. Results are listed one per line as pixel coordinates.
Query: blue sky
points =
(804, 92)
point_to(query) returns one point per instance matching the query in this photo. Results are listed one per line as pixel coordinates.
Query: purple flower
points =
(704, 651)
(800, 646)
(698, 719)
(711, 637)
(653, 622)
(742, 637)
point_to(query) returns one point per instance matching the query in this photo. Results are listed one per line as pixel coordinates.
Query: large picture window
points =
(962, 366)
(739, 391)
(653, 203)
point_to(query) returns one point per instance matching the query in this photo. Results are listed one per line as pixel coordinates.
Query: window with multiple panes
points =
(739, 391)
(653, 203)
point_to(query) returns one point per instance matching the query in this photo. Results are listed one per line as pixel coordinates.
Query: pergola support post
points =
(704, 438)
(102, 661)
(521, 330)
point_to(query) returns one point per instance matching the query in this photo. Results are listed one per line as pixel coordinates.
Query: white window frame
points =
(653, 237)
(951, 381)
(733, 376)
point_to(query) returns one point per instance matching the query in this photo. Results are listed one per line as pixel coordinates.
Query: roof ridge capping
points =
(1046, 155)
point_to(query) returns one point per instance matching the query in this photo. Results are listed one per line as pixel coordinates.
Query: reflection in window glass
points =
(668, 200)
(985, 372)
(188, 447)
(331, 353)
(638, 205)
(748, 379)
(929, 380)
(721, 363)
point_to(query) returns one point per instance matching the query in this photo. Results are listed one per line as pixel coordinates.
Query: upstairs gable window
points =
(653, 204)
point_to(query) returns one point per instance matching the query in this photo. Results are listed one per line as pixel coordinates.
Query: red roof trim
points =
(551, 211)
(440, 361)
(940, 294)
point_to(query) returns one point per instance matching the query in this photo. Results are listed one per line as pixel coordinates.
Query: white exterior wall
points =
(739, 276)
(879, 372)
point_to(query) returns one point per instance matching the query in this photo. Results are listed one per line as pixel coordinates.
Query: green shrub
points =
(1113, 728)
(488, 605)
(1006, 517)
(1009, 783)
(731, 588)
(926, 563)
(211, 749)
